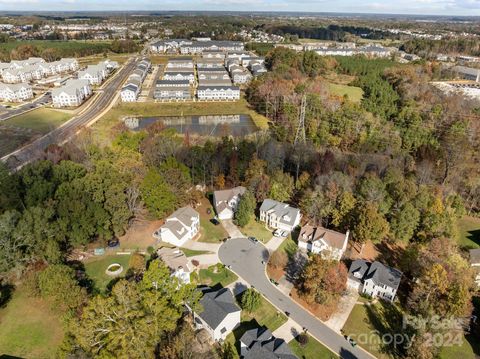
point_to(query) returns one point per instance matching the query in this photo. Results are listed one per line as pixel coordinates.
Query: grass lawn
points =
(466, 350)
(192, 252)
(469, 232)
(223, 276)
(29, 328)
(266, 315)
(372, 321)
(40, 120)
(95, 269)
(354, 94)
(210, 232)
(257, 230)
(314, 349)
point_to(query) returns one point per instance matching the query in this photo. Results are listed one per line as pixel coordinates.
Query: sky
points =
(420, 7)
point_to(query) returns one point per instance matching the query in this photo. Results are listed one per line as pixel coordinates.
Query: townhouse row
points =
(34, 68)
(132, 87)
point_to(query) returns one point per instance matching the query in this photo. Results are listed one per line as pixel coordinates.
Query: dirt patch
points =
(275, 273)
(139, 235)
(323, 312)
(369, 252)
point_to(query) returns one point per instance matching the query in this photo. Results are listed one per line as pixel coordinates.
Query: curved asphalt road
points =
(36, 149)
(245, 258)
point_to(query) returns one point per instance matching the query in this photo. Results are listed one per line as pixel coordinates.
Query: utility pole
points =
(300, 136)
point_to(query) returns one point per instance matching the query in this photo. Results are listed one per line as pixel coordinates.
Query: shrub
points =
(302, 339)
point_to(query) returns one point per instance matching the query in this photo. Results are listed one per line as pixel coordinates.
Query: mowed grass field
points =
(312, 350)
(29, 328)
(41, 120)
(19, 130)
(353, 93)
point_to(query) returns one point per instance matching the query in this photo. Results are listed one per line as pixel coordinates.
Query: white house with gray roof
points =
(328, 243)
(72, 94)
(177, 262)
(226, 201)
(220, 313)
(259, 343)
(278, 215)
(15, 92)
(181, 226)
(218, 93)
(374, 279)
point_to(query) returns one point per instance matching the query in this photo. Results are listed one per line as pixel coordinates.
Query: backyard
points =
(216, 275)
(37, 335)
(469, 232)
(95, 269)
(312, 350)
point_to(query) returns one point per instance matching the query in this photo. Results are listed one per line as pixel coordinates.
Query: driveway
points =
(246, 258)
(232, 229)
(345, 306)
(274, 243)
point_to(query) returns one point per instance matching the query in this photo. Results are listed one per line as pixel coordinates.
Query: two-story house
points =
(181, 226)
(326, 242)
(374, 279)
(260, 343)
(177, 262)
(226, 201)
(278, 215)
(220, 313)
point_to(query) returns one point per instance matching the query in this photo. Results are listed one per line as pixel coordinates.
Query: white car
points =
(280, 233)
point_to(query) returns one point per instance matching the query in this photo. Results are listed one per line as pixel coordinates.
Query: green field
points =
(257, 229)
(29, 328)
(222, 276)
(353, 93)
(469, 232)
(41, 120)
(193, 252)
(95, 269)
(312, 350)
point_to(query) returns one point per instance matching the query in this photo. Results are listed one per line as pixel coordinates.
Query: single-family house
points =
(220, 313)
(259, 343)
(326, 242)
(278, 215)
(226, 201)
(181, 226)
(177, 262)
(374, 279)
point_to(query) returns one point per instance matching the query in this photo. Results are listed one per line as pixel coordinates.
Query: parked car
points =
(253, 239)
(352, 342)
(114, 242)
(215, 221)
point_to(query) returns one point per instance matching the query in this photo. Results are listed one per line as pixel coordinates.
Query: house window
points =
(223, 330)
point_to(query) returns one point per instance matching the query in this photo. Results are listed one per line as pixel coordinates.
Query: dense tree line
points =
(430, 48)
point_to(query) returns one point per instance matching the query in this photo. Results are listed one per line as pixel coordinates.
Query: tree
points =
(227, 351)
(246, 209)
(404, 222)
(321, 280)
(156, 194)
(278, 259)
(369, 224)
(131, 321)
(303, 339)
(281, 186)
(58, 284)
(251, 300)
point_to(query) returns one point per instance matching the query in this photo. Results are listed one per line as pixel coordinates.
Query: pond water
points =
(207, 125)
